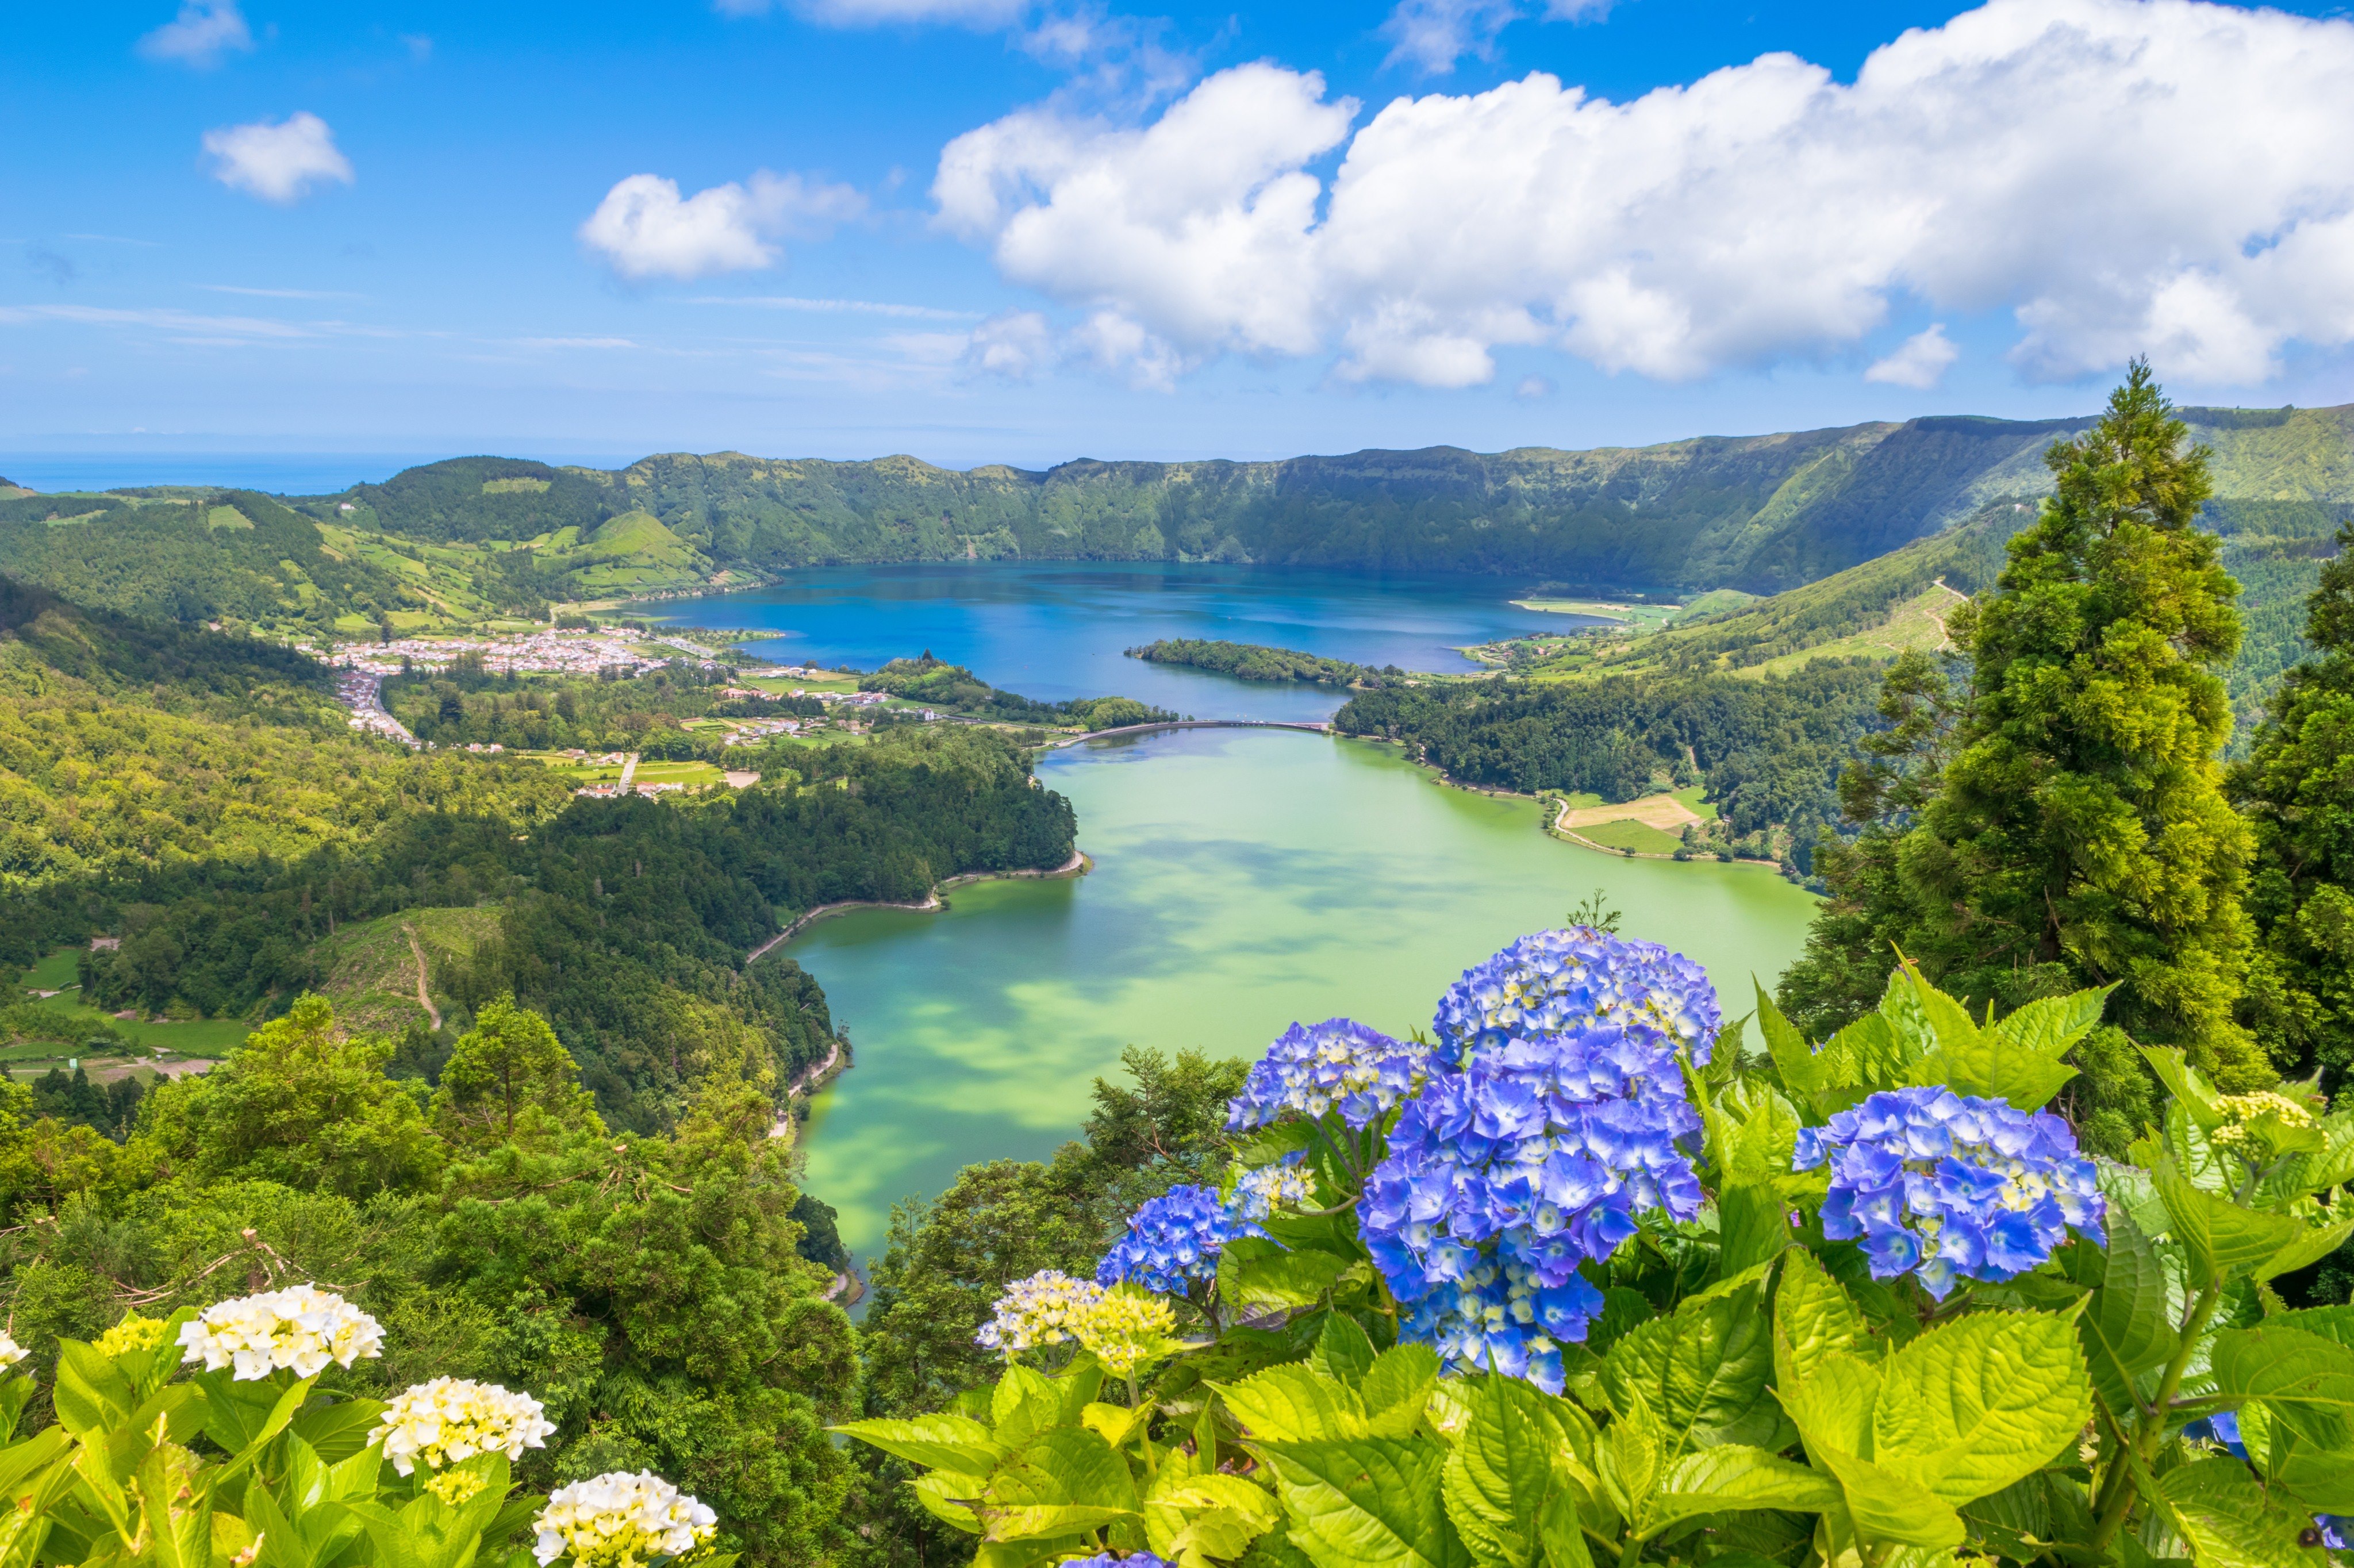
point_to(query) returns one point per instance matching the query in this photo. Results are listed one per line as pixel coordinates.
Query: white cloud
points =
(836, 307)
(645, 230)
(278, 162)
(1017, 345)
(203, 32)
(2120, 175)
(1920, 361)
(1435, 34)
(1533, 387)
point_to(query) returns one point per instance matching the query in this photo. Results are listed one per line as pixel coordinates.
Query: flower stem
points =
(2117, 1488)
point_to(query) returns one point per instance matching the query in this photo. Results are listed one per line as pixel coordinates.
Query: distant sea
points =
(275, 474)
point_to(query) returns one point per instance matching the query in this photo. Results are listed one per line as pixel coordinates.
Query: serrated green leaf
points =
(2221, 1239)
(1371, 1503)
(2230, 1520)
(2296, 1374)
(1283, 1279)
(1291, 1404)
(2125, 1327)
(1504, 1467)
(1024, 1404)
(1115, 1424)
(2310, 1247)
(1868, 1054)
(1973, 1406)
(1627, 1460)
(1564, 1540)
(1734, 1479)
(1812, 1319)
(2333, 1166)
(1397, 1387)
(1883, 1508)
(1753, 1224)
(1701, 1371)
(1803, 1073)
(1042, 1521)
(2186, 1084)
(1994, 1068)
(1079, 1467)
(2050, 1025)
(943, 1442)
(1832, 1409)
(1343, 1352)
(1231, 1492)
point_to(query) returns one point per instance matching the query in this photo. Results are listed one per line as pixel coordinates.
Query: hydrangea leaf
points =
(1503, 1468)
(1068, 1465)
(1914, 1006)
(1735, 1477)
(1833, 1408)
(1993, 1069)
(1115, 1424)
(1230, 1492)
(2296, 1374)
(939, 1442)
(2306, 1249)
(1884, 1508)
(1703, 1372)
(1043, 1521)
(1397, 1388)
(1343, 1352)
(1025, 1403)
(2186, 1084)
(1753, 1224)
(1280, 1279)
(946, 1495)
(2231, 1520)
(2334, 1164)
(1291, 1404)
(2126, 1326)
(1371, 1503)
(1627, 1460)
(2050, 1025)
(1971, 1406)
(1804, 1073)
(1563, 1535)
(1865, 1056)
(1812, 1319)
(2220, 1238)
(2335, 1324)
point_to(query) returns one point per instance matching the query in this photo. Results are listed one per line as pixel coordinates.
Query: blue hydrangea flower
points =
(1114, 1560)
(1502, 1178)
(1171, 1239)
(1560, 982)
(2223, 1428)
(1941, 1185)
(1336, 1065)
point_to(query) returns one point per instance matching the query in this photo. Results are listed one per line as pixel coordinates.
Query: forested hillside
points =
(199, 797)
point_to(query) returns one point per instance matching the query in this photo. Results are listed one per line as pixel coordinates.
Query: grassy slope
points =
(371, 969)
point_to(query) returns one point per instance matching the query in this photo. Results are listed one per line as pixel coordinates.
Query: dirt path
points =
(1664, 813)
(424, 1001)
(1945, 638)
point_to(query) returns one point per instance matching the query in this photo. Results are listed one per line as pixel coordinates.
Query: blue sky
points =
(1160, 232)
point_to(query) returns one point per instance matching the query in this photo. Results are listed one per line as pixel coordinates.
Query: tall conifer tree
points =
(2297, 790)
(2071, 829)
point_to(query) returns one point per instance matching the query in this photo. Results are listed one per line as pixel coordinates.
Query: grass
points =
(1914, 623)
(1635, 616)
(371, 969)
(1636, 836)
(197, 1037)
(1690, 799)
(694, 775)
(786, 685)
(59, 971)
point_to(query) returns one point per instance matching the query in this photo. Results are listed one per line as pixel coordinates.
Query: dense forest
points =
(952, 688)
(1770, 747)
(1255, 661)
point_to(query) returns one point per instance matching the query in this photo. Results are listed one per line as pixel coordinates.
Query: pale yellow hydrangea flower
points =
(133, 1333)
(301, 1327)
(450, 1420)
(1127, 1329)
(618, 1520)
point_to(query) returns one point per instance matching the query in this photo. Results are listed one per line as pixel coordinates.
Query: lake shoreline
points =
(1080, 864)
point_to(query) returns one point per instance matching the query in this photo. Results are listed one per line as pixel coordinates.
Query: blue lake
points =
(1057, 630)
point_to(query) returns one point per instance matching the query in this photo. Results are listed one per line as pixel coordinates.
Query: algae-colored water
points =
(1243, 879)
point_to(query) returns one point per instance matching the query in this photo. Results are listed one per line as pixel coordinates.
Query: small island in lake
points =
(1255, 661)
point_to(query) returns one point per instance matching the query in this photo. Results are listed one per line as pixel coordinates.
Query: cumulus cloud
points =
(2120, 175)
(644, 229)
(203, 32)
(278, 162)
(1920, 361)
(1017, 344)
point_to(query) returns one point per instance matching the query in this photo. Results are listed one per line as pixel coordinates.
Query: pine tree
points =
(2297, 790)
(2070, 829)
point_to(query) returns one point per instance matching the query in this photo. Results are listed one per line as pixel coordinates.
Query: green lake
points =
(1243, 879)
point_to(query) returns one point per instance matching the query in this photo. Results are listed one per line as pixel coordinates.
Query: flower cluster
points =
(1114, 1560)
(1501, 1178)
(1126, 1328)
(1336, 1065)
(2250, 1114)
(1259, 1194)
(1044, 1309)
(618, 1521)
(133, 1333)
(450, 1420)
(302, 1327)
(11, 1352)
(1938, 1185)
(1173, 1239)
(1557, 982)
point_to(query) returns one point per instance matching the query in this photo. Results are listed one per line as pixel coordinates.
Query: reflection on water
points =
(1244, 879)
(1056, 629)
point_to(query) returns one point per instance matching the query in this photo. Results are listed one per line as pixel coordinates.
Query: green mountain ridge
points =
(475, 538)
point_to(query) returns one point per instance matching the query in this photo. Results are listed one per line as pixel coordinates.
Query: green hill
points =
(476, 539)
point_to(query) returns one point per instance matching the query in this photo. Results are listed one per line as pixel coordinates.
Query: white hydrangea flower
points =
(11, 1352)
(450, 1420)
(1044, 1309)
(301, 1327)
(619, 1520)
